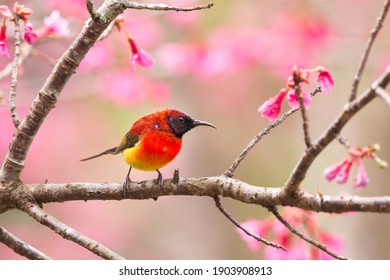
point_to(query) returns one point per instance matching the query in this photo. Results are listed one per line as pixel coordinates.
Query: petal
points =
(325, 79)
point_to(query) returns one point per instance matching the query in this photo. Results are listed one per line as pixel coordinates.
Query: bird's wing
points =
(128, 141)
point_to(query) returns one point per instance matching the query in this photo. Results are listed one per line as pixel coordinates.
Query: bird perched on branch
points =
(153, 141)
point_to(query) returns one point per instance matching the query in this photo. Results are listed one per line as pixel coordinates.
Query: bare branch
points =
(14, 76)
(7, 70)
(20, 247)
(92, 11)
(230, 218)
(67, 232)
(230, 171)
(207, 186)
(274, 210)
(164, 7)
(370, 42)
(292, 184)
(305, 120)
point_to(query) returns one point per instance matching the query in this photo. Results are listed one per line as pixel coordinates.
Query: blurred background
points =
(217, 65)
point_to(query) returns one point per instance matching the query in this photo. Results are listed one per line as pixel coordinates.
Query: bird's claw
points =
(126, 185)
(159, 180)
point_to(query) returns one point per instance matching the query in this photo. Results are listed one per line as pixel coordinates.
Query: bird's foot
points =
(159, 179)
(126, 185)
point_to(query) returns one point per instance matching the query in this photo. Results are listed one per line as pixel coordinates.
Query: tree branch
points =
(67, 232)
(292, 184)
(92, 11)
(230, 171)
(305, 120)
(274, 210)
(164, 7)
(20, 247)
(234, 222)
(207, 186)
(14, 76)
(370, 42)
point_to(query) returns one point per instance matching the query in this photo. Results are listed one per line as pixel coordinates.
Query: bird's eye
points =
(181, 120)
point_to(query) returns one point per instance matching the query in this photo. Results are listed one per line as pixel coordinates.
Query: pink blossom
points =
(293, 101)
(331, 172)
(5, 11)
(54, 25)
(361, 179)
(325, 79)
(139, 56)
(271, 108)
(297, 249)
(343, 175)
(29, 34)
(4, 42)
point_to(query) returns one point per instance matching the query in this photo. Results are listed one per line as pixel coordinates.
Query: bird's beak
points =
(199, 123)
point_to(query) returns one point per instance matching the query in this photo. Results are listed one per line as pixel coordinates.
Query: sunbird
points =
(154, 141)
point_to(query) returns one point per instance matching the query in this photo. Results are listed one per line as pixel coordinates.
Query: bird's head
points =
(182, 123)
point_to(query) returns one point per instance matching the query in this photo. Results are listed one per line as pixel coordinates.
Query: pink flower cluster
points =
(21, 12)
(340, 171)
(139, 56)
(53, 25)
(271, 108)
(297, 249)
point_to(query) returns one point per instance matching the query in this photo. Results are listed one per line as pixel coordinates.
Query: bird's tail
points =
(111, 151)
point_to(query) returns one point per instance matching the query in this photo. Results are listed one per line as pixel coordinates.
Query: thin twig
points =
(20, 247)
(164, 7)
(343, 141)
(274, 210)
(92, 11)
(383, 94)
(7, 70)
(230, 171)
(370, 42)
(14, 76)
(67, 232)
(230, 218)
(305, 120)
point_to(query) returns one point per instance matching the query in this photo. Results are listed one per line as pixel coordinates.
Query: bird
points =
(153, 141)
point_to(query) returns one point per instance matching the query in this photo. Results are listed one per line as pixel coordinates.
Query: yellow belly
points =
(152, 153)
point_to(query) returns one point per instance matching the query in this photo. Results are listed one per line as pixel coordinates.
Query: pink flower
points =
(297, 248)
(54, 25)
(4, 42)
(331, 172)
(293, 101)
(325, 79)
(5, 11)
(343, 175)
(271, 108)
(361, 179)
(29, 34)
(139, 56)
